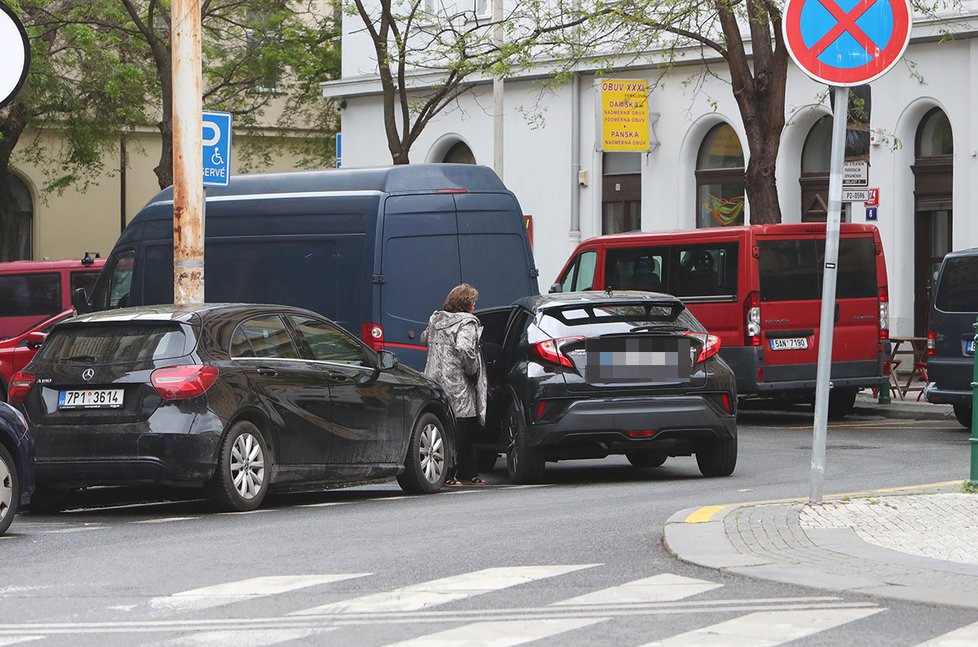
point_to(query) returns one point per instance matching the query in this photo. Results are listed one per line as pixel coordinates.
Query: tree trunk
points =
(164, 171)
(12, 126)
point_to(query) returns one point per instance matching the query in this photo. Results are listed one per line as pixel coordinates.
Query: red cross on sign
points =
(846, 42)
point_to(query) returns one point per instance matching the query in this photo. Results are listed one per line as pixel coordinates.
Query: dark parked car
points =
(16, 464)
(17, 351)
(235, 398)
(588, 374)
(951, 334)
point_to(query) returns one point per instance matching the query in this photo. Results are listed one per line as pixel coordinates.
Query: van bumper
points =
(746, 360)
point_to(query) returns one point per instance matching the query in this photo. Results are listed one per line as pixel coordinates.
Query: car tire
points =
(841, 402)
(719, 458)
(244, 468)
(48, 500)
(523, 463)
(646, 458)
(487, 459)
(963, 413)
(9, 489)
(425, 466)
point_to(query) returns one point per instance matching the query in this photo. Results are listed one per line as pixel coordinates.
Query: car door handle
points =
(264, 370)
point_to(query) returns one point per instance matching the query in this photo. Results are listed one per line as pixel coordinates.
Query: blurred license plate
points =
(789, 343)
(637, 359)
(90, 399)
(970, 346)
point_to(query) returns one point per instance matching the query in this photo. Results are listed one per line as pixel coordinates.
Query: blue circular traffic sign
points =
(846, 42)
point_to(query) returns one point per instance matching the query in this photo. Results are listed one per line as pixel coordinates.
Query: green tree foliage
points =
(76, 84)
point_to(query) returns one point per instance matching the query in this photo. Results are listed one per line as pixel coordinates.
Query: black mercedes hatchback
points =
(233, 398)
(589, 374)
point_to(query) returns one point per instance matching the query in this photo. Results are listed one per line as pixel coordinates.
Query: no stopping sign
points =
(15, 54)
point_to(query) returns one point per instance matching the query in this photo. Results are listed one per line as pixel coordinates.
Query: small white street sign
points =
(855, 173)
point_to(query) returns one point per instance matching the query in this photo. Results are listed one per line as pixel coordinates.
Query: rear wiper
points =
(81, 358)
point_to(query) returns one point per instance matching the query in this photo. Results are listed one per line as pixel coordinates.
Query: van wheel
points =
(9, 489)
(646, 458)
(719, 458)
(841, 402)
(525, 464)
(424, 467)
(963, 413)
(243, 470)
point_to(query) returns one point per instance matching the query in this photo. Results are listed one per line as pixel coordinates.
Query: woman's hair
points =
(461, 298)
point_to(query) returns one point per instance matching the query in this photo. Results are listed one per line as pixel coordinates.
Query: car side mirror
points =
(556, 287)
(79, 300)
(388, 360)
(35, 339)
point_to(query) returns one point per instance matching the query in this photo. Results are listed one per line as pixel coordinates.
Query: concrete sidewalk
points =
(917, 543)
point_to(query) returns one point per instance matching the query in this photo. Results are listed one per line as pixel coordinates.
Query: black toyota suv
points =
(588, 374)
(951, 334)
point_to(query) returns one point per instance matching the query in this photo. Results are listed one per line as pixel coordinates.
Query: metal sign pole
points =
(830, 272)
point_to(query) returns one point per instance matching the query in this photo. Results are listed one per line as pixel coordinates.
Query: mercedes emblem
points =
(88, 374)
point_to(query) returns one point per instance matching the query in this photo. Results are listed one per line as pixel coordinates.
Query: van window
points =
(111, 290)
(635, 268)
(703, 270)
(959, 285)
(30, 294)
(791, 270)
(580, 275)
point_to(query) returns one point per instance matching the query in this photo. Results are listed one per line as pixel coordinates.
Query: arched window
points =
(459, 153)
(720, 179)
(816, 162)
(933, 221)
(17, 222)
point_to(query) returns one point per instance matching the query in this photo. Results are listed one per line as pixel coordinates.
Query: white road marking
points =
(64, 531)
(765, 629)
(499, 634)
(966, 636)
(243, 637)
(18, 639)
(322, 505)
(658, 588)
(229, 592)
(167, 519)
(442, 591)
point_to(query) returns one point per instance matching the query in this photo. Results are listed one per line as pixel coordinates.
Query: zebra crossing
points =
(429, 613)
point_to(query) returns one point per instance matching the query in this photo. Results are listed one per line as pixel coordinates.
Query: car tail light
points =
(541, 407)
(931, 343)
(180, 382)
(711, 345)
(550, 350)
(727, 406)
(752, 319)
(640, 433)
(20, 385)
(373, 335)
(884, 313)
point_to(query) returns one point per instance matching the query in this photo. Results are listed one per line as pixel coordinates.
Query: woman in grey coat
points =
(455, 362)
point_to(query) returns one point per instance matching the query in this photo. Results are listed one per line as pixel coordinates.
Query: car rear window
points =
(958, 289)
(791, 270)
(601, 319)
(106, 344)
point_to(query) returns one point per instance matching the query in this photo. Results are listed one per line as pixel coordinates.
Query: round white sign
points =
(15, 54)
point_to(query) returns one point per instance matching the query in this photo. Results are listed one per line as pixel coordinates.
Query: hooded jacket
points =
(455, 361)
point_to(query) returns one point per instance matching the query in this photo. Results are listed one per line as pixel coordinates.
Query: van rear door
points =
(420, 264)
(790, 278)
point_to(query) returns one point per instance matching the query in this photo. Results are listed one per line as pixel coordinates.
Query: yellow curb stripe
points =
(705, 513)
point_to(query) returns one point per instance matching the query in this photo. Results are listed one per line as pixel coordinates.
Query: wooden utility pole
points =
(188, 186)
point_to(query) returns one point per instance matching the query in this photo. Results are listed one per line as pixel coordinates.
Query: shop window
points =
(720, 188)
(621, 193)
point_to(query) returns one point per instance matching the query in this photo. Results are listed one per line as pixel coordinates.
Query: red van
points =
(758, 288)
(31, 291)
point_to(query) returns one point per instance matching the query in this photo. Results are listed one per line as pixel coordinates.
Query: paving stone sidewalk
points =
(917, 545)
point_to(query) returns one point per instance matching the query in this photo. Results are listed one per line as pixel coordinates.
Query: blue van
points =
(376, 250)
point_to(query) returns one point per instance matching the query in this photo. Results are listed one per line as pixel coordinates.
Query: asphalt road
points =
(577, 560)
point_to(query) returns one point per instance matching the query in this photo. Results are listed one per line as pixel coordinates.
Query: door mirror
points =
(556, 287)
(79, 300)
(388, 360)
(35, 339)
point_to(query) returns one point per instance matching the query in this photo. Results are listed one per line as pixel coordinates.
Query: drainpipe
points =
(575, 161)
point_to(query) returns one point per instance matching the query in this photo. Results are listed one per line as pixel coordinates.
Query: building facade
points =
(922, 153)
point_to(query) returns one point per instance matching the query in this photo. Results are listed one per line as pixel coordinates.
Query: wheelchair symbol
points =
(216, 158)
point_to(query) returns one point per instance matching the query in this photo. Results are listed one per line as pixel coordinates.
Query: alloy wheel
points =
(513, 454)
(6, 489)
(432, 448)
(247, 466)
